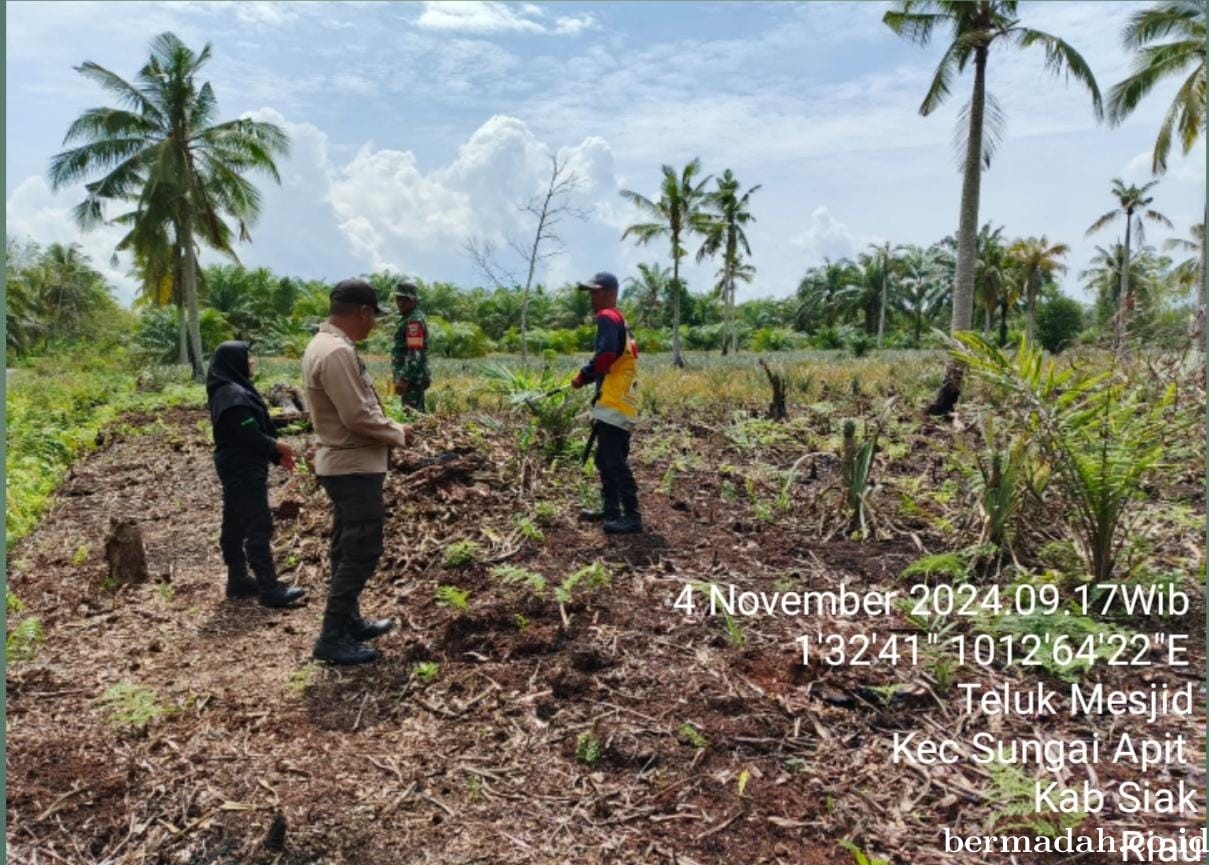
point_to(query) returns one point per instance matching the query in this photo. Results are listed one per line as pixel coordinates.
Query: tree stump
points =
(286, 397)
(125, 553)
(776, 408)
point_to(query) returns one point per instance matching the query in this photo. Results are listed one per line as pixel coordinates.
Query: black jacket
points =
(244, 437)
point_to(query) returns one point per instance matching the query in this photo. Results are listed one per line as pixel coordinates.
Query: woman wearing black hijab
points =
(245, 442)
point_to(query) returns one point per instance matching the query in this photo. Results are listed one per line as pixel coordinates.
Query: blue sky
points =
(419, 126)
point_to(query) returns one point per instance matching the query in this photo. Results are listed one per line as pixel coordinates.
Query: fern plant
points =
(1102, 437)
(1014, 794)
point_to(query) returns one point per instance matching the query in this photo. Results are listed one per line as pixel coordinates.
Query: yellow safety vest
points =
(617, 401)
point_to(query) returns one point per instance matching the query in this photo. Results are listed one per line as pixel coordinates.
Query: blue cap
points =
(602, 280)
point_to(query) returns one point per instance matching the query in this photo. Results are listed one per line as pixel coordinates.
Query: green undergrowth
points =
(56, 410)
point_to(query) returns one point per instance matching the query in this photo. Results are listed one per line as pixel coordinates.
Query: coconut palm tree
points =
(1037, 260)
(821, 292)
(1190, 271)
(975, 26)
(70, 290)
(1106, 272)
(724, 233)
(675, 215)
(1134, 204)
(645, 293)
(921, 288)
(162, 152)
(863, 294)
(888, 254)
(1169, 40)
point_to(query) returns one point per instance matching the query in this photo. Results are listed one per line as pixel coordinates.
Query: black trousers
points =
(247, 523)
(617, 487)
(358, 518)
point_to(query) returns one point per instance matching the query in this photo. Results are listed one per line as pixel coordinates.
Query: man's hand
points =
(400, 387)
(578, 381)
(286, 455)
(398, 456)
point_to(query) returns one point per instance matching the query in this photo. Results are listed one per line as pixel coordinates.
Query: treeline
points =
(892, 296)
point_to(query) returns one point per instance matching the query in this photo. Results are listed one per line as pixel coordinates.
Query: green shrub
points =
(652, 339)
(157, 334)
(1059, 323)
(774, 339)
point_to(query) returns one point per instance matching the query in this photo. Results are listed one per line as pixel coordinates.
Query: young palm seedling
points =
(855, 464)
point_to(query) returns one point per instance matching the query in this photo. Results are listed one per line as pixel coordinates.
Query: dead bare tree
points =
(550, 208)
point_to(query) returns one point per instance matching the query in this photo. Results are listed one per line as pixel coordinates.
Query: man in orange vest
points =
(614, 371)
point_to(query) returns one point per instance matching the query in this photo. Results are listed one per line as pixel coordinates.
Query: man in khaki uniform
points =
(355, 438)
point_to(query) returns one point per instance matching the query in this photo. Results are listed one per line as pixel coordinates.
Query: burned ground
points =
(602, 726)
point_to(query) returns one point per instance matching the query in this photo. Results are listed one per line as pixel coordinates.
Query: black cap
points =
(607, 281)
(357, 291)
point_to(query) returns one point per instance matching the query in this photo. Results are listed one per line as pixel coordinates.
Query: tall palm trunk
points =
(677, 358)
(726, 321)
(729, 339)
(190, 284)
(734, 327)
(1203, 286)
(1123, 294)
(881, 316)
(1032, 305)
(967, 237)
(182, 335)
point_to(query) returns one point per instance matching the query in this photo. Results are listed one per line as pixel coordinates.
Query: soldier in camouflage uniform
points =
(409, 359)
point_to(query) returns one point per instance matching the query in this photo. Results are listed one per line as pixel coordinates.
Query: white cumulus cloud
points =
(826, 237)
(492, 16)
(396, 215)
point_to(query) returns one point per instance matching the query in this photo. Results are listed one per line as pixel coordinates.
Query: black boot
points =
(370, 629)
(629, 524)
(240, 585)
(274, 593)
(591, 515)
(336, 646)
(281, 595)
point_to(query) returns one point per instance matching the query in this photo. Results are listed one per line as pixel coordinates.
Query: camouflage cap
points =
(407, 288)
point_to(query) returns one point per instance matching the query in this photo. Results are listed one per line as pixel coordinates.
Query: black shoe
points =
(370, 629)
(342, 649)
(630, 524)
(591, 515)
(281, 595)
(241, 587)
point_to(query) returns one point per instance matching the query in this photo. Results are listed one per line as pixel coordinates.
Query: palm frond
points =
(1061, 57)
(1104, 220)
(1184, 17)
(994, 126)
(73, 165)
(126, 92)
